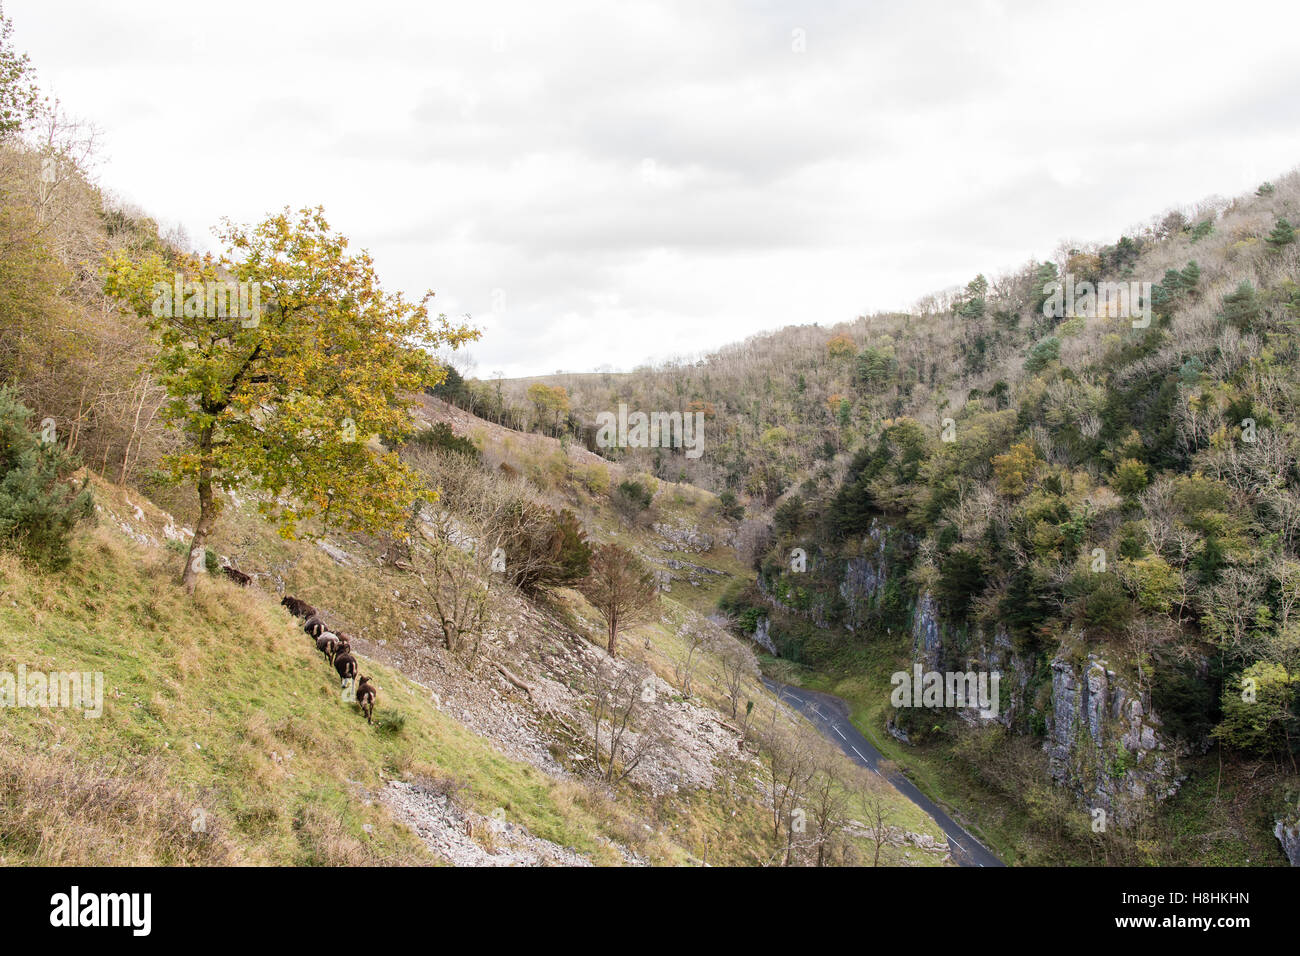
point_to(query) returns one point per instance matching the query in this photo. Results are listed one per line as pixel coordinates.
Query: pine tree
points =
(1283, 234)
(39, 507)
(1241, 307)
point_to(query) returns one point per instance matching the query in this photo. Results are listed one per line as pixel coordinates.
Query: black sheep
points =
(314, 626)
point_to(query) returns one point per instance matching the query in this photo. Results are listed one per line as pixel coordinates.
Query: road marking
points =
(837, 730)
(857, 751)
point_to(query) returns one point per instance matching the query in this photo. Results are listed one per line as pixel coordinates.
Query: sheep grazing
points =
(346, 665)
(239, 577)
(314, 626)
(328, 645)
(366, 693)
(298, 607)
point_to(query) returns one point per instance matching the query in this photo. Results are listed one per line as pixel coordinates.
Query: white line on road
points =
(837, 730)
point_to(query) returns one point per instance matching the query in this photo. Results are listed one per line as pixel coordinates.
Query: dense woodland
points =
(1137, 485)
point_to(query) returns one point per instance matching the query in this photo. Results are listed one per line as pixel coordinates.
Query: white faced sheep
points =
(346, 665)
(366, 693)
(328, 645)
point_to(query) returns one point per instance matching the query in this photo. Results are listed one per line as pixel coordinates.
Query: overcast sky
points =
(602, 184)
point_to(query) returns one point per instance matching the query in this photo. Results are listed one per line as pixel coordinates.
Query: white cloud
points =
(648, 180)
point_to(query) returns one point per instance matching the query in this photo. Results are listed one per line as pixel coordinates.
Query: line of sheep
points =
(337, 650)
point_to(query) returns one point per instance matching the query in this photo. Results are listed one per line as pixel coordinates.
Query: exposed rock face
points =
(1287, 832)
(683, 537)
(1104, 742)
(763, 638)
(864, 577)
(927, 634)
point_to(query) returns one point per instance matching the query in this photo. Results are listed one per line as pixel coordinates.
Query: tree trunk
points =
(207, 516)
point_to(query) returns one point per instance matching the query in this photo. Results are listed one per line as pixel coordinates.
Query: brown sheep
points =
(239, 577)
(366, 693)
(346, 665)
(298, 607)
(314, 626)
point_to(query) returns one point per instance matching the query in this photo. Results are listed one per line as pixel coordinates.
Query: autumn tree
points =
(19, 96)
(621, 588)
(1015, 470)
(841, 346)
(550, 403)
(285, 391)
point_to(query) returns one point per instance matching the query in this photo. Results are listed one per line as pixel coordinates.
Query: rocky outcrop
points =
(1104, 741)
(763, 637)
(1287, 831)
(864, 577)
(927, 634)
(683, 537)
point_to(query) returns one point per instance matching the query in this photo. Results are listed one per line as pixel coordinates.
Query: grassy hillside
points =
(224, 740)
(222, 705)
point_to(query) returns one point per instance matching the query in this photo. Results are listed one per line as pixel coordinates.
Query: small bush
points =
(442, 436)
(390, 722)
(39, 506)
(631, 498)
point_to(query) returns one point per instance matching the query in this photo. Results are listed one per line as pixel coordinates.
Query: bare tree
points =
(828, 803)
(737, 665)
(626, 723)
(877, 813)
(698, 636)
(787, 751)
(455, 573)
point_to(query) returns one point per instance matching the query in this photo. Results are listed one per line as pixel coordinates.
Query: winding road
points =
(830, 715)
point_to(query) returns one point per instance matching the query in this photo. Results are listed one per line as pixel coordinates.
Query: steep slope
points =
(1110, 526)
(223, 737)
(223, 734)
